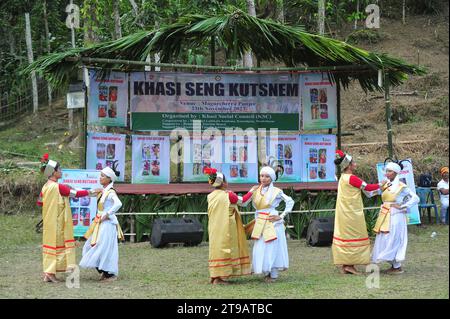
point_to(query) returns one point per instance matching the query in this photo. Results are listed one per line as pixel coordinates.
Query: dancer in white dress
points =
(391, 226)
(270, 253)
(101, 249)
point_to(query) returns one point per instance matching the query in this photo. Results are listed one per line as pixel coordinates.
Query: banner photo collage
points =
(162, 101)
(83, 209)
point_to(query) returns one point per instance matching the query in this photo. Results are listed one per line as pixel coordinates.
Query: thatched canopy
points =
(236, 32)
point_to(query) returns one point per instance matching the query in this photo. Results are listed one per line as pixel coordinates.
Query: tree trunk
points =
(118, 27)
(90, 22)
(47, 37)
(30, 60)
(357, 11)
(248, 57)
(321, 22)
(403, 12)
(280, 12)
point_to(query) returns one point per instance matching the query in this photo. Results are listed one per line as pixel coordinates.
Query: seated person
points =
(442, 187)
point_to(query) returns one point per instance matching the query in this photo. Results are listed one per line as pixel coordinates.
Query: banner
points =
(318, 154)
(286, 149)
(165, 101)
(240, 162)
(200, 153)
(108, 99)
(406, 177)
(105, 149)
(318, 101)
(150, 159)
(83, 209)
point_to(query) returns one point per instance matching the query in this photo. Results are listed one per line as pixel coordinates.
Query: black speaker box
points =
(176, 230)
(320, 232)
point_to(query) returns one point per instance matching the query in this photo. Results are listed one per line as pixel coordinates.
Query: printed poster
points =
(108, 99)
(104, 149)
(318, 154)
(286, 149)
(407, 177)
(199, 153)
(83, 209)
(318, 101)
(241, 163)
(150, 159)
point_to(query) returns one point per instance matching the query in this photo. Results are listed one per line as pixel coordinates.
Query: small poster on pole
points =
(108, 98)
(104, 149)
(83, 209)
(318, 101)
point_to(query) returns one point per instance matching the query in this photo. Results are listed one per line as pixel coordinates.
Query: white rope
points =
(242, 213)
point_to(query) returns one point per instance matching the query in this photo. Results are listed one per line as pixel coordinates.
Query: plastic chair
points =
(427, 202)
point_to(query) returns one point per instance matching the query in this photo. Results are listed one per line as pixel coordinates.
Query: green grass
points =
(181, 272)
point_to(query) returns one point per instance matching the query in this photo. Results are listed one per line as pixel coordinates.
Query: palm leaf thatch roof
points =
(236, 32)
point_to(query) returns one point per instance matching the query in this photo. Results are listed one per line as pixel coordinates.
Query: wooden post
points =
(338, 115)
(387, 100)
(30, 59)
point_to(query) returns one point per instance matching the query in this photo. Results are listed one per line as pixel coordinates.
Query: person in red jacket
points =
(58, 243)
(228, 248)
(351, 243)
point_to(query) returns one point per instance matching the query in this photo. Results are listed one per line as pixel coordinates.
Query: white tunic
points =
(273, 255)
(391, 246)
(105, 254)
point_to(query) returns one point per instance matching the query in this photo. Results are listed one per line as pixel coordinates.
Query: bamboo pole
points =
(339, 128)
(86, 60)
(387, 100)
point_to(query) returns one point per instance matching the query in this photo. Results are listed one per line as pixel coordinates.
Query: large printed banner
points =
(108, 99)
(151, 159)
(286, 149)
(199, 153)
(407, 177)
(165, 101)
(105, 149)
(318, 101)
(318, 153)
(240, 162)
(83, 209)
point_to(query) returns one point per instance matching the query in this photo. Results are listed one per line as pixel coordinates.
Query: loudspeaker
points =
(320, 232)
(176, 230)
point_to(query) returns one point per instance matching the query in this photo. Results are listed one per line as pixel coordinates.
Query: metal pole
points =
(387, 100)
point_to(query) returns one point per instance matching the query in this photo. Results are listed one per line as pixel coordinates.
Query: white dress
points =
(269, 258)
(105, 254)
(391, 247)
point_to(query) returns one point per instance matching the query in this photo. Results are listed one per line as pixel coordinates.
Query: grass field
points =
(181, 272)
